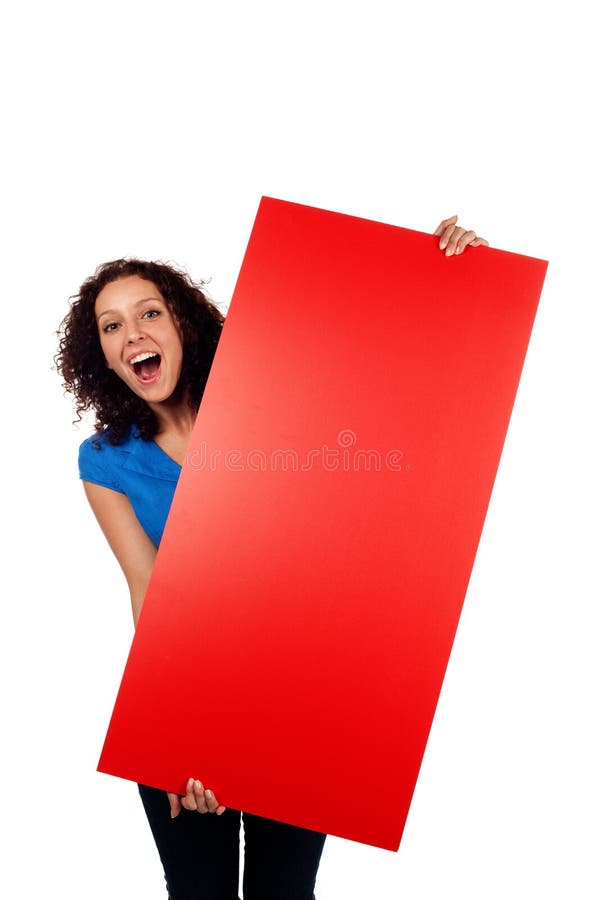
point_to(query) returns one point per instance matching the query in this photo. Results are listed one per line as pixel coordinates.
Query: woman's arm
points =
(129, 542)
(136, 553)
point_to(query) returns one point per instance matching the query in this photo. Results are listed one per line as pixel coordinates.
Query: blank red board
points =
(308, 587)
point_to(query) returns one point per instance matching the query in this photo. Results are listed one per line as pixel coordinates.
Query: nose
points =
(134, 333)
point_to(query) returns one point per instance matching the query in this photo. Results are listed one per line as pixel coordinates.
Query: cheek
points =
(177, 347)
(104, 353)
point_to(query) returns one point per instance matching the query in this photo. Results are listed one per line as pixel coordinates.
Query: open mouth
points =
(146, 367)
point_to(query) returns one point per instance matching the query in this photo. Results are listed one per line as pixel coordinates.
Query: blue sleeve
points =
(94, 465)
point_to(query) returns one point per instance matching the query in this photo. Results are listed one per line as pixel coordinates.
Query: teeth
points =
(141, 357)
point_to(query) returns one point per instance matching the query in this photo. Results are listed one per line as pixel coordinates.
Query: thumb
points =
(175, 804)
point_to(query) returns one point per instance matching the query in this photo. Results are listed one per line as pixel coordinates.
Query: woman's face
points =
(140, 339)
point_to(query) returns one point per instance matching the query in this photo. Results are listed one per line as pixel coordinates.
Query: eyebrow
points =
(115, 312)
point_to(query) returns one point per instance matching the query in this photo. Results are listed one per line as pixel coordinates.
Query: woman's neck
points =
(175, 418)
(175, 424)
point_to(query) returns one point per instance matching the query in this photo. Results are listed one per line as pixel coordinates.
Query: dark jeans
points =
(200, 854)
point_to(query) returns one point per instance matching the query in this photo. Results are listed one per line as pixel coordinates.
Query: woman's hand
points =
(195, 798)
(454, 239)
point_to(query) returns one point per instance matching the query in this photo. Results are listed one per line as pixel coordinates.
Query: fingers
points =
(445, 223)
(459, 240)
(462, 239)
(175, 804)
(194, 796)
(454, 239)
(200, 800)
(449, 239)
(212, 802)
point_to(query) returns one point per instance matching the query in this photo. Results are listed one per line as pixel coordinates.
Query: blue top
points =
(137, 468)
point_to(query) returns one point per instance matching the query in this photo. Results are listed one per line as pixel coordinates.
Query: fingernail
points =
(198, 785)
(190, 784)
(208, 794)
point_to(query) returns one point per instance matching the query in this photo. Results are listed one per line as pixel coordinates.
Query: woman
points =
(137, 346)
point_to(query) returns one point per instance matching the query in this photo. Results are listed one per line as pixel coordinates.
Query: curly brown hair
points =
(80, 360)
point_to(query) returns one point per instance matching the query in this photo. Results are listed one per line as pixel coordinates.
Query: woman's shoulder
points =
(100, 457)
(104, 440)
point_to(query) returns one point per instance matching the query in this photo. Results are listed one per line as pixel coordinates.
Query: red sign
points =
(308, 587)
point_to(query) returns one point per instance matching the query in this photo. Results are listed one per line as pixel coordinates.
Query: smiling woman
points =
(136, 347)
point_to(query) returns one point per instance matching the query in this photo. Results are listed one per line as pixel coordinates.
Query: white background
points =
(152, 129)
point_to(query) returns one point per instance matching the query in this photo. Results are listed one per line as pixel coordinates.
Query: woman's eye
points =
(110, 327)
(151, 314)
